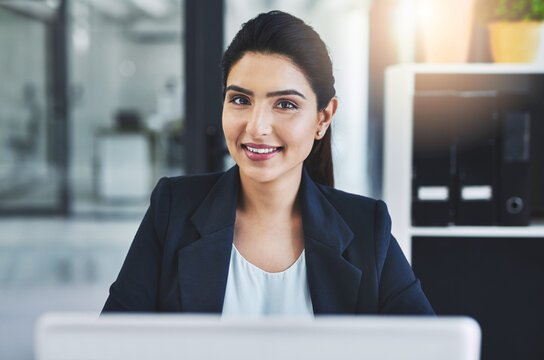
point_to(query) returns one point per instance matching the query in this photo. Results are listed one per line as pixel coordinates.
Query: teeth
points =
(261, 151)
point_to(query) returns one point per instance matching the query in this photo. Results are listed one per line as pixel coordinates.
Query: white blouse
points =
(252, 291)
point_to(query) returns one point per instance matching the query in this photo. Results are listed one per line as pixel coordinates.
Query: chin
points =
(268, 173)
(261, 175)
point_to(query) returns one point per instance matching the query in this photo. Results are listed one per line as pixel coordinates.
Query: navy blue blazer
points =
(179, 259)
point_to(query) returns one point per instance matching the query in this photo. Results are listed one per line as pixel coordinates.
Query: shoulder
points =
(189, 186)
(185, 187)
(357, 208)
(180, 194)
(369, 221)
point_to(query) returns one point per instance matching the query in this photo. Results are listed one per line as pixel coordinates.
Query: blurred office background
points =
(101, 98)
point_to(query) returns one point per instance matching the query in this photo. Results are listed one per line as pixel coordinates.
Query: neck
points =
(273, 199)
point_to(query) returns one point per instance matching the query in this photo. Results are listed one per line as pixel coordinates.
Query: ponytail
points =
(319, 162)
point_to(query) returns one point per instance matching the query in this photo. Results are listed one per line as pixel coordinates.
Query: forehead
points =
(268, 72)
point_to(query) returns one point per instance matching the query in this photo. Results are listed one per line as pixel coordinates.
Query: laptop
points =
(72, 336)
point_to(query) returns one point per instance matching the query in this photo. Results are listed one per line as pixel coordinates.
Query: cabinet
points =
(402, 84)
(125, 165)
(492, 273)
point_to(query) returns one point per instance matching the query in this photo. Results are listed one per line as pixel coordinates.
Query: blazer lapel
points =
(204, 264)
(333, 281)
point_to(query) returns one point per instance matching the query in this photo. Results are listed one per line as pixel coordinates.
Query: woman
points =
(271, 236)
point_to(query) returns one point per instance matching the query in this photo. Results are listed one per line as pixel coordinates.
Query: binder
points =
(433, 165)
(477, 158)
(537, 153)
(515, 180)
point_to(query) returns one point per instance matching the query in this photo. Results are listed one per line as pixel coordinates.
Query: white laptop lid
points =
(191, 337)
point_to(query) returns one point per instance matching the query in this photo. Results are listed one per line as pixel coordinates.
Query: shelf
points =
(402, 82)
(472, 68)
(536, 229)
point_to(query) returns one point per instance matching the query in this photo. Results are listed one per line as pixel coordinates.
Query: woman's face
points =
(270, 117)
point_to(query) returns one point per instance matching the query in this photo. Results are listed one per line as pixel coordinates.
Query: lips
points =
(260, 152)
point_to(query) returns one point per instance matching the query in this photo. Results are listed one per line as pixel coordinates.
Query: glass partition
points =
(29, 170)
(126, 114)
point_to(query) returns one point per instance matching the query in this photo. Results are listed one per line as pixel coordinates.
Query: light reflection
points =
(405, 24)
(446, 28)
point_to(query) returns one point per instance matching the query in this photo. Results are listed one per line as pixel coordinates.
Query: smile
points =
(261, 151)
(257, 152)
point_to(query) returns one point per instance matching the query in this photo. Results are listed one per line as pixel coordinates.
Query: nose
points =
(259, 123)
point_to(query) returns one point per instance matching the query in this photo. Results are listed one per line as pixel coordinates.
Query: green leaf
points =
(510, 10)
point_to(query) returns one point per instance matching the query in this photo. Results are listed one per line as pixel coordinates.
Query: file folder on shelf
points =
(433, 158)
(537, 154)
(477, 158)
(515, 184)
(471, 158)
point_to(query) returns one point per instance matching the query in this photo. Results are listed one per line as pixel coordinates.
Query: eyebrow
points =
(270, 94)
(285, 92)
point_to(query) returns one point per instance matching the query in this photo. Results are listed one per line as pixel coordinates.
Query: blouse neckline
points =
(279, 273)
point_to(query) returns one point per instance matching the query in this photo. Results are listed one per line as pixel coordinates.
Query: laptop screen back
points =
(192, 337)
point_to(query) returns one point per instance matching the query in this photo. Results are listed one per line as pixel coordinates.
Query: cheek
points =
(302, 136)
(231, 127)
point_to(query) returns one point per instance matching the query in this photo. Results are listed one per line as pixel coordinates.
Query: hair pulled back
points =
(277, 32)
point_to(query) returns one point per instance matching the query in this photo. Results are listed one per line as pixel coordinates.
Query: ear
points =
(325, 117)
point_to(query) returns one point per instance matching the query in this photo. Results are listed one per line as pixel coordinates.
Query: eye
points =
(239, 100)
(287, 105)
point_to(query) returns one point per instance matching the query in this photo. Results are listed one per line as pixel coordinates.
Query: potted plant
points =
(515, 28)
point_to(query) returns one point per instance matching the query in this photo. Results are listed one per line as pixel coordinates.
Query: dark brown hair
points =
(277, 32)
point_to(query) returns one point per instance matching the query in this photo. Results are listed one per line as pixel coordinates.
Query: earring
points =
(320, 133)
